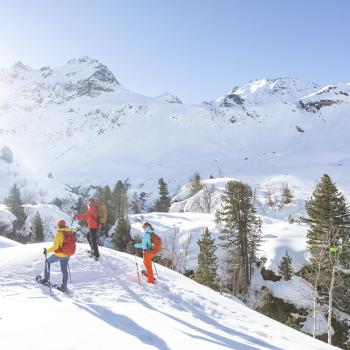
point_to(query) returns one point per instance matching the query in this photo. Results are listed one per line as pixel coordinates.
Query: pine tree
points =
(285, 269)
(122, 236)
(163, 203)
(207, 261)
(328, 220)
(119, 200)
(240, 233)
(286, 194)
(38, 228)
(134, 204)
(196, 185)
(15, 205)
(328, 241)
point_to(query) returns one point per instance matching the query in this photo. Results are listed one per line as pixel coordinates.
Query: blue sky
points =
(196, 49)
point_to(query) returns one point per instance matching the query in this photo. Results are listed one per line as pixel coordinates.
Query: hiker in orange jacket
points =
(91, 218)
(148, 254)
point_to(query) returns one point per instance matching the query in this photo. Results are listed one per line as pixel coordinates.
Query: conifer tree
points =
(15, 205)
(38, 228)
(207, 261)
(285, 269)
(163, 203)
(134, 204)
(240, 232)
(196, 185)
(122, 236)
(119, 200)
(286, 194)
(328, 220)
(328, 241)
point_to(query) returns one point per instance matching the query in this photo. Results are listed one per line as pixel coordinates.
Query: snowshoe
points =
(43, 281)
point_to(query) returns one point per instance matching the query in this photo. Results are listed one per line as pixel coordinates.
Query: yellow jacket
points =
(58, 242)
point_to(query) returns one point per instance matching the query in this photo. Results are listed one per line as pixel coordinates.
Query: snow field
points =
(107, 306)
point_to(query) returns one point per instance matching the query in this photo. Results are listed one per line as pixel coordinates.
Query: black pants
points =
(92, 239)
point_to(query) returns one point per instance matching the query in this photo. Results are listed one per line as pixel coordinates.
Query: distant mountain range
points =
(78, 123)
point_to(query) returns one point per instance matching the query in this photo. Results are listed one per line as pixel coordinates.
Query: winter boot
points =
(62, 288)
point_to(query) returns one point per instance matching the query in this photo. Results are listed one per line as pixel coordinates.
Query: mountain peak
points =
(83, 59)
(20, 65)
(267, 90)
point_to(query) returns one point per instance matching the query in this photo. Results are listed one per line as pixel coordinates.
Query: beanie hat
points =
(61, 224)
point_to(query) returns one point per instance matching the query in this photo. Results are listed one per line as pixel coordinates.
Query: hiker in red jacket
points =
(91, 218)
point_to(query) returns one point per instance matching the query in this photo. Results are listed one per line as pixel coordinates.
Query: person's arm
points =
(81, 217)
(146, 243)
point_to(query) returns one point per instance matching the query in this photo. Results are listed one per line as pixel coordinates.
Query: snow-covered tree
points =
(196, 185)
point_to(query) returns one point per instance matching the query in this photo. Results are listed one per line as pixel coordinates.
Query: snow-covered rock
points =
(326, 97)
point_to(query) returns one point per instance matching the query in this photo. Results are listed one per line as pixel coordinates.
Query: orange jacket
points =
(91, 216)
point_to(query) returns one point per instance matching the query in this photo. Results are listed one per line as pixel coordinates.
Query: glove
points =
(138, 245)
(45, 251)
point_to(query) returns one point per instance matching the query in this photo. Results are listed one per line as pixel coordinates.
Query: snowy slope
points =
(107, 306)
(5, 242)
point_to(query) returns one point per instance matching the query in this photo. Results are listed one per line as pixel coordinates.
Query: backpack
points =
(69, 244)
(156, 243)
(101, 214)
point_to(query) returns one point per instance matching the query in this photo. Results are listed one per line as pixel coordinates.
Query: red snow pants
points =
(147, 261)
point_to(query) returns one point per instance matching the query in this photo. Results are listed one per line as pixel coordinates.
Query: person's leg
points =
(64, 269)
(147, 260)
(51, 259)
(88, 237)
(93, 233)
(105, 231)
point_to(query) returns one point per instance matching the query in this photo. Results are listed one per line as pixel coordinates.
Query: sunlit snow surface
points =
(107, 306)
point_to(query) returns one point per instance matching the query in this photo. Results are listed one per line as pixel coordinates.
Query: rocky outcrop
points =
(314, 106)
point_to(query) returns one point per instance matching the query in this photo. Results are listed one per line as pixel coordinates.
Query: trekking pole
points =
(70, 276)
(137, 269)
(155, 269)
(48, 269)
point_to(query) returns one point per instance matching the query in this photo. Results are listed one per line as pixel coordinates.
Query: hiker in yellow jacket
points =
(63, 247)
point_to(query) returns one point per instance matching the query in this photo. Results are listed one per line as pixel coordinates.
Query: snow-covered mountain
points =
(107, 306)
(80, 124)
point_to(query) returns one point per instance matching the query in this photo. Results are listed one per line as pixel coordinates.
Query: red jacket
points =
(91, 216)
